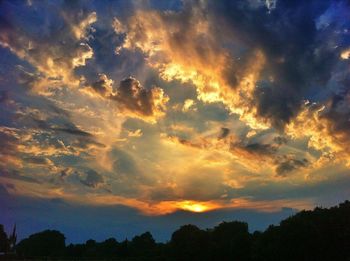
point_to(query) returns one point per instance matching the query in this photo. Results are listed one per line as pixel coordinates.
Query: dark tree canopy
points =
(50, 243)
(231, 241)
(189, 243)
(319, 234)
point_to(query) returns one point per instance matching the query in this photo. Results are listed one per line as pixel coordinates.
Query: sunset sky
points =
(119, 117)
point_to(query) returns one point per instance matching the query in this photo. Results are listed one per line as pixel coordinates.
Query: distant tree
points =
(75, 251)
(143, 245)
(49, 243)
(231, 241)
(123, 249)
(91, 249)
(109, 248)
(189, 243)
(4, 243)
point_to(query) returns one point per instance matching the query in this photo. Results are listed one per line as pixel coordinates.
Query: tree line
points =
(319, 234)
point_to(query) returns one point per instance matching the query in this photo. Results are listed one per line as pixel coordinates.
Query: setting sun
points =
(196, 206)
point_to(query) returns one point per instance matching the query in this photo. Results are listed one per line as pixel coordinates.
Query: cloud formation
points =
(184, 46)
(133, 98)
(230, 103)
(55, 53)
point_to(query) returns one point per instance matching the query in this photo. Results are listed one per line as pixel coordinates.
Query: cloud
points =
(137, 133)
(187, 105)
(290, 165)
(184, 46)
(139, 102)
(9, 140)
(104, 86)
(297, 58)
(131, 98)
(55, 53)
(14, 175)
(92, 179)
(37, 160)
(248, 68)
(272, 64)
(345, 55)
(326, 127)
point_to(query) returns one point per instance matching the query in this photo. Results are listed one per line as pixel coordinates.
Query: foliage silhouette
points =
(49, 243)
(4, 243)
(319, 234)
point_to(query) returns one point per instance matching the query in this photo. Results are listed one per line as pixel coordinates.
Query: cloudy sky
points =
(119, 117)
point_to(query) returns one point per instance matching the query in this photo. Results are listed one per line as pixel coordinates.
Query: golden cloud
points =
(22, 187)
(183, 46)
(57, 61)
(315, 124)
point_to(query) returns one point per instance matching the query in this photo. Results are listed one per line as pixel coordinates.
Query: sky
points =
(120, 117)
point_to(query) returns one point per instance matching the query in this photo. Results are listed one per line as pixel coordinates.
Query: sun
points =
(193, 206)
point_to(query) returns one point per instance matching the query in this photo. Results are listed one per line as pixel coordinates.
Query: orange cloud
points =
(30, 189)
(314, 124)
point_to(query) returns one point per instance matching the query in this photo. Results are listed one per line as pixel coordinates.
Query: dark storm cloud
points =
(299, 55)
(73, 130)
(282, 163)
(338, 114)
(289, 165)
(255, 148)
(92, 179)
(260, 148)
(134, 98)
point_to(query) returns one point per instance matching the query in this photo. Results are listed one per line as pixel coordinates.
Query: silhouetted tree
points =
(143, 245)
(109, 248)
(320, 234)
(189, 243)
(231, 241)
(75, 251)
(4, 243)
(49, 243)
(123, 249)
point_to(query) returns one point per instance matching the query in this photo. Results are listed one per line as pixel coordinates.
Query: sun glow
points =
(193, 206)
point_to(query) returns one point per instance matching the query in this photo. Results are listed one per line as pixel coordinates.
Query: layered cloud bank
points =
(194, 105)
